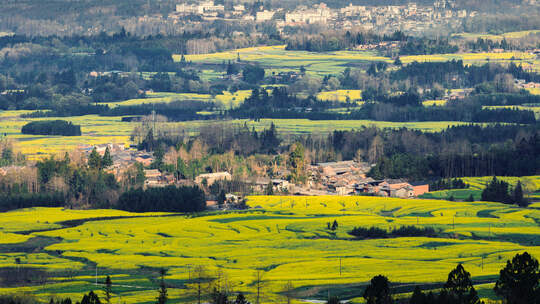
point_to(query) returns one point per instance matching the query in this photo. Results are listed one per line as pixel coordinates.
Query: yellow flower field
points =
(284, 237)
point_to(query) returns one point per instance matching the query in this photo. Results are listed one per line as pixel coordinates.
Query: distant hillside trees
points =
(52, 127)
(168, 199)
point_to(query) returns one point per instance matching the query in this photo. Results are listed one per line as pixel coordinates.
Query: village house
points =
(211, 178)
(153, 177)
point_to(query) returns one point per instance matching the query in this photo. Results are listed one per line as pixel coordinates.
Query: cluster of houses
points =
(329, 178)
(349, 178)
(409, 18)
(523, 84)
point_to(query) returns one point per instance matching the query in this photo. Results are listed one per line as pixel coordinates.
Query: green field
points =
(284, 237)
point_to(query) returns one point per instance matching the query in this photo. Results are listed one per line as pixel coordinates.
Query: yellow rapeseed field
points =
(284, 237)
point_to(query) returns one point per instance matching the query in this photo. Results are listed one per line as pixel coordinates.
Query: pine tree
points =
(108, 290)
(163, 297)
(107, 158)
(378, 292)
(94, 160)
(334, 225)
(471, 198)
(241, 299)
(221, 198)
(269, 189)
(518, 197)
(418, 297)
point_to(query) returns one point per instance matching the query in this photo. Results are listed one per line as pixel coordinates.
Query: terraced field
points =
(276, 58)
(225, 100)
(283, 237)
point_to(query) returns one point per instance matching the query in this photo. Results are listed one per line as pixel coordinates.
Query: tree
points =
(90, 298)
(241, 299)
(418, 297)
(378, 291)
(269, 188)
(496, 191)
(162, 297)
(108, 290)
(334, 225)
(221, 198)
(517, 196)
(253, 74)
(296, 162)
(94, 160)
(471, 198)
(107, 158)
(519, 281)
(459, 286)
(398, 61)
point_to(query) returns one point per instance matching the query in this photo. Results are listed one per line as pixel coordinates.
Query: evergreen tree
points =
(418, 297)
(519, 281)
(378, 292)
(334, 225)
(398, 62)
(460, 288)
(496, 191)
(471, 198)
(163, 297)
(241, 299)
(94, 160)
(108, 290)
(269, 189)
(518, 197)
(90, 298)
(221, 198)
(107, 158)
